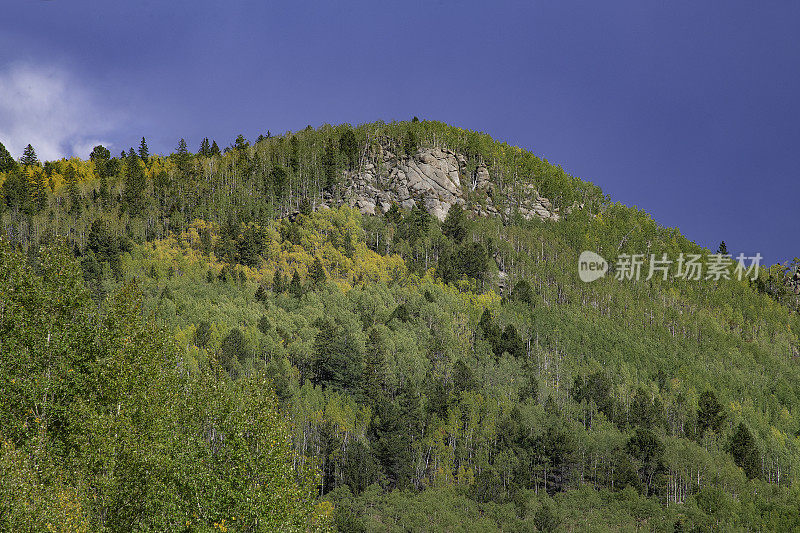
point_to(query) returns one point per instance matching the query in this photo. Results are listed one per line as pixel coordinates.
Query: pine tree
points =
(393, 215)
(410, 143)
(278, 282)
(205, 148)
(144, 152)
(723, 248)
(453, 225)
(295, 286)
(240, 143)
(100, 156)
(710, 414)
(348, 146)
(7, 162)
(135, 183)
(744, 451)
(330, 166)
(215, 149)
(317, 273)
(29, 157)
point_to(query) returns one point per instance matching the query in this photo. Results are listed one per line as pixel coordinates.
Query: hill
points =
(403, 302)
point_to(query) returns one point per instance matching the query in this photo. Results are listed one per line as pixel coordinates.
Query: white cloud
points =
(52, 110)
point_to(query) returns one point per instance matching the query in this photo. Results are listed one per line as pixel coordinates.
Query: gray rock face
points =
(436, 178)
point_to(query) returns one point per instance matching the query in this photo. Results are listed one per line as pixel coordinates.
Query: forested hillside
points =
(224, 340)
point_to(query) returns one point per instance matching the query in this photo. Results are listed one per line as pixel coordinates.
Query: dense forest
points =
(218, 341)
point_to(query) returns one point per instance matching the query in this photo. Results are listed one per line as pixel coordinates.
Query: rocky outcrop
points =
(436, 178)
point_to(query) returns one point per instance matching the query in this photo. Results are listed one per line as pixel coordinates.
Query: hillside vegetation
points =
(218, 341)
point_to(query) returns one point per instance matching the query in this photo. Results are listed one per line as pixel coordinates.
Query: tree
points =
(215, 149)
(7, 162)
(144, 152)
(723, 248)
(410, 143)
(71, 179)
(183, 159)
(744, 451)
(240, 143)
(453, 225)
(511, 343)
(278, 282)
(330, 166)
(647, 451)
(338, 362)
(134, 185)
(235, 352)
(249, 245)
(317, 273)
(205, 148)
(546, 517)
(375, 364)
(17, 192)
(100, 156)
(29, 158)
(489, 330)
(522, 292)
(710, 414)
(295, 286)
(393, 215)
(348, 146)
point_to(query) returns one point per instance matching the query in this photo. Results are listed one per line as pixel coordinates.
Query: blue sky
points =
(688, 110)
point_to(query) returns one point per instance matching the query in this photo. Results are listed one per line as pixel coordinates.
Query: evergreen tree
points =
(100, 156)
(205, 148)
(234, 352)
(305, 207)
(29, 158)
(454, 225)
(337, 360)
(7, 162)
(278, 282)
(240, 143)
(647, 450)
(330, 166)
(710, 414)
(489, 330)
(375, 364)
(743, 449)
(295, 286)
(215, 149)
(134, 185)
(522, 292)
(317, 273)
(393, 215)
(348, 146)
(17, 192)
(723, 248)
(511, 343)
(410, 143)
(144, 152)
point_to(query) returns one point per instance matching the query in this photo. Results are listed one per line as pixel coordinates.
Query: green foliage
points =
(100, 430)
(29, 158)
(7, 163)
(423, 399)
(744, 451)
(144, 151)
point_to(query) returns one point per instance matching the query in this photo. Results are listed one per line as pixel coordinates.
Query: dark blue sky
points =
(688, 110)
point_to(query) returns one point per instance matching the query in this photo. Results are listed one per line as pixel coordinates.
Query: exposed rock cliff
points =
(437, 178)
